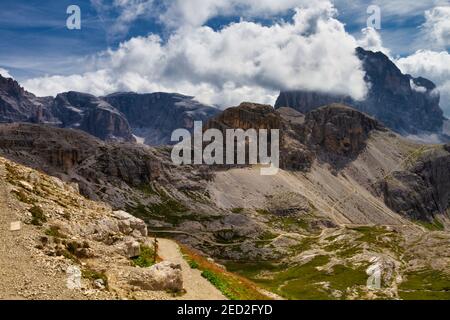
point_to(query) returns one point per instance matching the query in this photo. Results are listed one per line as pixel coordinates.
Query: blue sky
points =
(36, 43)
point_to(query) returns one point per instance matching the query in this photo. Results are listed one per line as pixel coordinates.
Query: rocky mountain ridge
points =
(153, 117)
(149, 118)
(402, 103)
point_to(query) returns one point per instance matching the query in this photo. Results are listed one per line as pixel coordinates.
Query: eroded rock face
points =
(155, 116)
(247, 116)
(422, 191)
(293, 154)
(18, 105)
(401, 102)
(68, 110)
(88, 113)
(339, 130)
(75, 156)
(333, 131)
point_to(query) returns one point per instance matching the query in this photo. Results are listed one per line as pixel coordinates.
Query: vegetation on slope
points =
(231, 285)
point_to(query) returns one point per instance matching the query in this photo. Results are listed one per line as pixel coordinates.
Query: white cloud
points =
(5, 73)
(176, 14)
(371, 40)
(118, 15)
(182, 13)
(437, 26)
(434, 66)
(242, 61)
(426, 138)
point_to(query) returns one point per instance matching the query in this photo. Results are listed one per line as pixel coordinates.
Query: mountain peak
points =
(401, 102)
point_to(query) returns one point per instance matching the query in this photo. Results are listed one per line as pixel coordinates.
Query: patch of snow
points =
(417, 88)
(139, 140)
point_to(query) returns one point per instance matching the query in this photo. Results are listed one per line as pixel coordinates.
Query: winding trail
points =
(197, 287)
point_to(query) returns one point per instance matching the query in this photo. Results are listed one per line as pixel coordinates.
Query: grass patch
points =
(22, 196)
(425, 285)
(287, 223)
(369, 234)
(38, 217)
(303, 282)
(267, 236)
(93, 275)
(148, 189)
(146, 259)
(231, 285)
(193, 264)
(54, 232)
(169, 211)
(253, 269)
(237, 210)
(379, 238)
(304, 245)
(263, 212)
(434, 225)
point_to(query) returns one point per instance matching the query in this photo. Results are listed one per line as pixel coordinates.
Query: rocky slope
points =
(153, 117)
(56, 244)
(334, 137)
(337, 207)
(67, 110)
(92, 115)
(401, 102)
(18, 105)
(423, 189)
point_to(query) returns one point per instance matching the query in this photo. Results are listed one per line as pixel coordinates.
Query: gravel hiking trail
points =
(197, 287)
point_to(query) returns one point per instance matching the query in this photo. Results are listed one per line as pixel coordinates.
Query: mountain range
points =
(131, 117)
(352, 193)
(401, 102)
(407, 105)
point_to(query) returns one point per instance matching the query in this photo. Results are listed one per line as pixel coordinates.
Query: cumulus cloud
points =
(242, 61)
(5, 73)
(177, 14)
(437, 26)
(434, 66)
(118, 15)
(371, 40)
(182, 13)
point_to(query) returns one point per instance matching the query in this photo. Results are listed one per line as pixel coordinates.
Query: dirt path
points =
(197, 287)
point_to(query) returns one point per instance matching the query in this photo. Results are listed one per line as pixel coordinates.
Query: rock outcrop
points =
(331, 132)
(75, 156)
(18, 105)
(339, 130)
(164, 276)
(293, 154)
(422, 191)
(246, 116)
(68, 110)
(401, 102)
(88, 113)
(155, 116)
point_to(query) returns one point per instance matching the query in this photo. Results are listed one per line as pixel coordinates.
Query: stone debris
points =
(15, 226)
(73, 278)
(164, 276)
